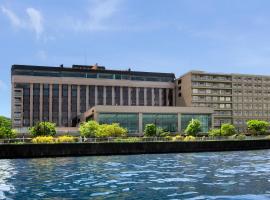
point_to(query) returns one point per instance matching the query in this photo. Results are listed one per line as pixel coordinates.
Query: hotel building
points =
(67, 96)
(235, 98)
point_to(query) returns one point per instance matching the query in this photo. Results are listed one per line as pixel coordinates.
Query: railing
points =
(136, 139)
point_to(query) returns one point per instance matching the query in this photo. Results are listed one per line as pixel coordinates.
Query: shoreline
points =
(13, 151)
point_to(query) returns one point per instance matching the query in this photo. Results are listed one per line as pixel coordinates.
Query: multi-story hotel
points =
(62, 95)
(235, 98)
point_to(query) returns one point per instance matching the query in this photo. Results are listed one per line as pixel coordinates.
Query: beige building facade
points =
(61, 94)
(235, 98)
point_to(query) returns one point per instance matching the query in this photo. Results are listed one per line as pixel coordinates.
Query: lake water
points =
(217, 175)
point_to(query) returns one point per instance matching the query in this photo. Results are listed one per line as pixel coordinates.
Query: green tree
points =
(88, 129)
(227, 130)
(193, 128)
(6, 130)
(43, 129)
(258, 127)
(150, 130)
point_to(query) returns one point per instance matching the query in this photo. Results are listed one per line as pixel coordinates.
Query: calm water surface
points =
(224, 175)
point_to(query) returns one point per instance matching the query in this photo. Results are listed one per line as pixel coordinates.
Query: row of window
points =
(92, 75)
(251, 113)
(210, 98)
(213, 105)
(211, 91)
(211, 77)
(209, 84)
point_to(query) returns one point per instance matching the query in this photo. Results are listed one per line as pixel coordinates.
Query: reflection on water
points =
(223, 175)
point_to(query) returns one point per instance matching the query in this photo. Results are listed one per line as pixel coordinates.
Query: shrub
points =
(178, 138)
(43, 139)
(43, 129)
(65, 139)
(241, 136)
(168, 137)
(193, 128)
(88, 129)
(214, 132)
(165, 134)
(150, 130)
(110, 130)
(258, 127)
(189, 138)
(227, 130)
(117, 130)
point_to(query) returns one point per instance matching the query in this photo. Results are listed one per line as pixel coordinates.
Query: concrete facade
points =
(236, 98)
(38, 94)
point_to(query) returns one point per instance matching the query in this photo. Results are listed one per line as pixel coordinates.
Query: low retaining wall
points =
(87, 149)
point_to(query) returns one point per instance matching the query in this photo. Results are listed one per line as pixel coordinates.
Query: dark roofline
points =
(69, 69)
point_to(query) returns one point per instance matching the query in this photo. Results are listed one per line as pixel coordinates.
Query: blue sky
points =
(153, 35)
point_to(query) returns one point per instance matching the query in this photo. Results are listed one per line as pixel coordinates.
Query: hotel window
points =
(117, 95)
(82, 98)
(91, 94)
(125, 96)
(46, 94)
(36, 102)
(222, 105)
(156, 97)
(149, 96)
(133, 96)
(100, 94)
(164, 99)
(74, 101)
(65, 105)
(108, 95)
(141, 96)
(195, 91)
(55, 104)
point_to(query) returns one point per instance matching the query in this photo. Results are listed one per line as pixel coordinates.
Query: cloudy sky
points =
(153, 35)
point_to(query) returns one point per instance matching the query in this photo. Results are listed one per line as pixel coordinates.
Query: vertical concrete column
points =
(167, 97)
(129, 96)
(121, 96)
(160, 96)
(69, 105)
(137, 96)
(179, 122)
(60, 105)
(145, 96)
(87, 97)
(104, 95)
(140, 123)
(113, 96)
(31, 104)
(78, 99)
(96, 95)
(41, 103)
(50, 102)
(153, 97)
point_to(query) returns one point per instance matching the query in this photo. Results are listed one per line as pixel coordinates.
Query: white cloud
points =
(99, 12)
(33, 21)
(15, 21)
(36, 20)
